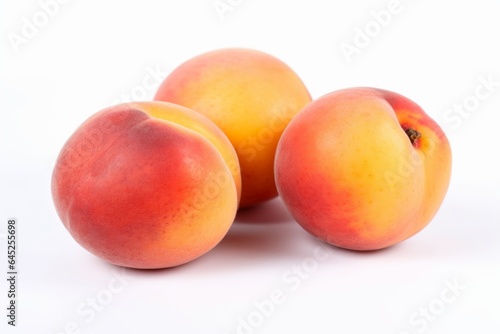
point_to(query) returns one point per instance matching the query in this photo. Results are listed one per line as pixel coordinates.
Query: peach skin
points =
(147, 185)
(363, 168)
(251, 96)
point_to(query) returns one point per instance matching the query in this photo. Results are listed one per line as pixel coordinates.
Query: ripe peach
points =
(363, 168)
(251, 96)
(147, 185)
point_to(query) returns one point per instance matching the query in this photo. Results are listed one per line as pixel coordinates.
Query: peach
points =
(363, 168)
(147, 185)
(251, 96)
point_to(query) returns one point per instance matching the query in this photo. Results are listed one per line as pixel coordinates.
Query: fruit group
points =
(363, 168)
(251, 96)
(147, 185)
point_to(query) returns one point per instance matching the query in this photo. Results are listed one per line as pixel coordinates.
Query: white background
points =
(91, 54)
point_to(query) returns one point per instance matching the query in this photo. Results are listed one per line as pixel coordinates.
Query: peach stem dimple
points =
(413, 134)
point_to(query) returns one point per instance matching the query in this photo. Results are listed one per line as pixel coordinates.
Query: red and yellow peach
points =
(363, 168)
(147, 185)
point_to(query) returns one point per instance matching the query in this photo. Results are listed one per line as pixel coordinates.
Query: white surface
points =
(91, 53)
